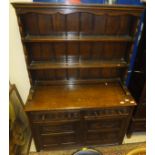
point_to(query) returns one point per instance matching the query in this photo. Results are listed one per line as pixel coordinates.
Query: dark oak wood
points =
(83, 64)
(74, 38)
(77, 52)
(77, 58)
(77, 96)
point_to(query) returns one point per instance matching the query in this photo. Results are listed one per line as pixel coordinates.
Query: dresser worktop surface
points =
(108, 94)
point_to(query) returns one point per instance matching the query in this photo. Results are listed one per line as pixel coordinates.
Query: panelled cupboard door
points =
(56, 134)
(106, 129)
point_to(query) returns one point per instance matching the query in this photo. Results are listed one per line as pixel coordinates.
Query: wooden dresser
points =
(77, 58)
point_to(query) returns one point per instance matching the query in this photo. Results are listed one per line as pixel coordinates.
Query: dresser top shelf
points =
(107, 94)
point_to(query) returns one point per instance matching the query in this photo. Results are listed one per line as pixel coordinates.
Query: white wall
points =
(17, 67)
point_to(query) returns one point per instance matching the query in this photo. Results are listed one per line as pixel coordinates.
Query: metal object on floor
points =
(87, 151)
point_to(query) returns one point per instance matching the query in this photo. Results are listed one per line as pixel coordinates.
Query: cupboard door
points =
(105, 126)
(56, 134)
(104, 131)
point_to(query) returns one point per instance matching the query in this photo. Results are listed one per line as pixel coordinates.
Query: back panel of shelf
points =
(78, 23)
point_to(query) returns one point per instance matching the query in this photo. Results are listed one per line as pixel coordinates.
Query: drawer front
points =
(59, 127)
(54, 116)
(104, 124)
(102, 137)
(90, 114)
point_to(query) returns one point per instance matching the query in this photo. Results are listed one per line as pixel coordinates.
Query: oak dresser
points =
(77, 59)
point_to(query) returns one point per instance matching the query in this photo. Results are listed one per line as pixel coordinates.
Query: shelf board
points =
(73, 82)
(84, 64)
(65, 38)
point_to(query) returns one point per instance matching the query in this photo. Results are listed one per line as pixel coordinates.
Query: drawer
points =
(54, 116)
(57, 127)
(105, 124)
(107, 112)
(58, 139)
(102, 137)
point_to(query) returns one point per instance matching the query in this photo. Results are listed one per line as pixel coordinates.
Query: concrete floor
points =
(136, 137)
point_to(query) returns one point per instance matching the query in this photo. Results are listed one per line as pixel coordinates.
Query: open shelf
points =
(84, 64)
(86, 38)
(105, 94)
